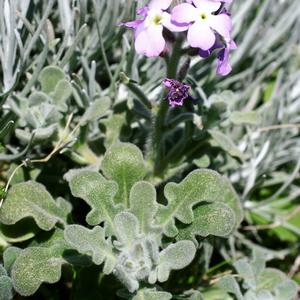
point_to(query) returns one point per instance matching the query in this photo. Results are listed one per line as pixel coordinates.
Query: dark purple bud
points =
(178, 92)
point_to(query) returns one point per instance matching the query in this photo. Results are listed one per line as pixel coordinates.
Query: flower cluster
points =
(207, 23)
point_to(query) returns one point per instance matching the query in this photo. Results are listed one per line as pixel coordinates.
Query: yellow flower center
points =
(157, 19)
(203, 16)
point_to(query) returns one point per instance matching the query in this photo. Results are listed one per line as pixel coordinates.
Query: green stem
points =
(159, 127)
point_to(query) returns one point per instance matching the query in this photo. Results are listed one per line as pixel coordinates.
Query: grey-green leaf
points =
(224, 142)
(175, 257)
(248, 118)
(62, 92)
(124, 163)
(97, 110)
(127, 228)
(151, 294)
(229, 284)
(92, 243)
(144, 206)
(31, 199)
(99, 193)
(6, 288)
(9, 257)
(198, 186)
(49, 78)
(210, 219)
(34, 266)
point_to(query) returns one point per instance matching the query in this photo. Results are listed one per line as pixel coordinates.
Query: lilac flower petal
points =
(222, 24)
(207, 5)
(160, 4)
(201, 36)
(150, 41)
(167, 82)
(172, 26)
(223, 65)
(184, 13)
(143, 11)
(132, 24)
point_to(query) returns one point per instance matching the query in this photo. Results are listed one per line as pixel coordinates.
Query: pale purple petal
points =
(222, 24)
(207, 5)
(172, 26)
(223, 64)
(143, 11)
(160, 4)
(150, 41)
(132, 24)
(201, 36)
(184, 13)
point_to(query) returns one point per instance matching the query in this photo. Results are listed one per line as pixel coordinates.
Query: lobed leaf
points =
(98, 193)
(124, 163)
(143, 205)
(199, 186)
(31, 199)
(175, 257)
(34, 266)
(210, 219)
(92, 243)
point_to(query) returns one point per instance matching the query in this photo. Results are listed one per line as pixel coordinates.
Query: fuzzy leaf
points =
(62, 92)
(286, 290)
(6, 288)
(2, 271)
(210, 219)
(98, 193)
(9, 257)
(229, 284)
(37, 98)
(151, 294)
(93, 243)
(49, 78)
(232, 199)
(245, 270)
(175, 257)
(144, 206)
(224, 142)
(124, 164)
(97, 110)
(200, 185)
(127, 227)
(34, 266)
(113, 125)
(31, 199)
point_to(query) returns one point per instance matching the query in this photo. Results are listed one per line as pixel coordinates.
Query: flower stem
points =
(159, 125)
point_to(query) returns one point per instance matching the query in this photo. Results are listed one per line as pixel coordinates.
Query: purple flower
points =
(148, 33)
(224, 47)
(178, 92)
(203, 22)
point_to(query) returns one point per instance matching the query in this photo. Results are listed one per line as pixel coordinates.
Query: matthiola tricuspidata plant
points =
(131, 167)
(127, 230)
